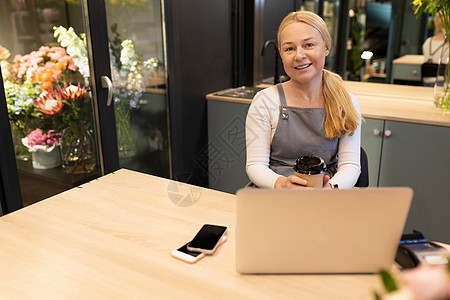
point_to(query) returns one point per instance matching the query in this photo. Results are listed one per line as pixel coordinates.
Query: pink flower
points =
(72, 66)
(32, 65)
(56, 53)
(56, 74)
(36, 60)
(49, 65)
(37, 137)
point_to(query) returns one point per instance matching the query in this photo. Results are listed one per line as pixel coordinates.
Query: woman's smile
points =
(303, 66)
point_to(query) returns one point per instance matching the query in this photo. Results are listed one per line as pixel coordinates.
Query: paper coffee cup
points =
(310, 168)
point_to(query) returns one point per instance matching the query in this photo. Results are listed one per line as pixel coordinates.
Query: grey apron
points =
(300, 132)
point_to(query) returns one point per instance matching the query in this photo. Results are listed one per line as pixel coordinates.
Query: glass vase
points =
(21, 152)
(442, 85)
(78, 151)
(125, 142)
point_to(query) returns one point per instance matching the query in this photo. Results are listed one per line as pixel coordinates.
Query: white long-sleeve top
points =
(261, 124)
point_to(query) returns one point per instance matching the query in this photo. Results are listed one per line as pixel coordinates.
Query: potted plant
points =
(44, 147)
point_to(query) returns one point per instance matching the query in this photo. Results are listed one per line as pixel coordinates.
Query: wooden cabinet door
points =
(417, 155)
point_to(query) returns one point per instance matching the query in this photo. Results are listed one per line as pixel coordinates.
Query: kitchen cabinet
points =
(371, 131)
(226, 145)
(414, 155)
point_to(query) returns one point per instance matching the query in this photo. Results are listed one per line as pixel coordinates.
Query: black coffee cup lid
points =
(309, 165)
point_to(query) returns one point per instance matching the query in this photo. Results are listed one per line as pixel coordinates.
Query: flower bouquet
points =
(442, 86)
(129, 76)
(68, 109)
(44, 148)
(45, 67)
(129, 86)
(32, 77)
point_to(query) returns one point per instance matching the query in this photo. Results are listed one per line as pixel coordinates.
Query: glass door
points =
(137, 59)
(85, 90)
(49, 96)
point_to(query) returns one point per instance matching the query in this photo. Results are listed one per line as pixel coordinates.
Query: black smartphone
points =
(207, 239)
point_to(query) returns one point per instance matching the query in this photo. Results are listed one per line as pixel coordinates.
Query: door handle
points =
(107, 84)
(387, 132)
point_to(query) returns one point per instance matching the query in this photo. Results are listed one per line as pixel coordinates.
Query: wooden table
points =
(111, 238)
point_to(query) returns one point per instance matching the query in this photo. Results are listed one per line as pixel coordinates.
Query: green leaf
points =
(377, 296)
(388, 281)
(420, 10)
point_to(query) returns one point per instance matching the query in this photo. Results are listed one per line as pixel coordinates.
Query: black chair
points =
(363, 180)
(429, 70)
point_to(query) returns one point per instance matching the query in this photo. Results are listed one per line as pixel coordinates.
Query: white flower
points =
(75, 47)
(50, 104)
(128, 56)
(72, 88)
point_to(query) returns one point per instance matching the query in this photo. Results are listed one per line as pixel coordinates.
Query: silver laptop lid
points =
(319, 231)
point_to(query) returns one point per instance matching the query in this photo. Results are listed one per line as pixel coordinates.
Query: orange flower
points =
(49, 102)
(47, 85)
(4, 53)
(60, 65)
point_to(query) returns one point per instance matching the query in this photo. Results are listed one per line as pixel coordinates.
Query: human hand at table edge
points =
(294, 181)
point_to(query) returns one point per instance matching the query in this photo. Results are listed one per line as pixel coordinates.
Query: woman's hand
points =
(326, 185)
(294, 181)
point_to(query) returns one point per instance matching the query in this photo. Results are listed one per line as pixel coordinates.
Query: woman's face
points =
(303, 52)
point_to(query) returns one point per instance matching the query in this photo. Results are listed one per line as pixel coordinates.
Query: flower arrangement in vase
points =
(68, 109)
(39, 94)
(30, 76)
(44, 147)
(129, 76)
(48, 89)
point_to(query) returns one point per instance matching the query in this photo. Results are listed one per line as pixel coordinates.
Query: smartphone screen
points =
(208, 237)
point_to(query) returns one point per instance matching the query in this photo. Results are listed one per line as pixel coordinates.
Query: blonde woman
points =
(311, 114)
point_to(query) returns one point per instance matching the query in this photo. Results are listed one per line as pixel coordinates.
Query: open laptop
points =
(319, 231)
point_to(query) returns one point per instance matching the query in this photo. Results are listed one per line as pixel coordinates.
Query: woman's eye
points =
(289, 49)
(309, 45)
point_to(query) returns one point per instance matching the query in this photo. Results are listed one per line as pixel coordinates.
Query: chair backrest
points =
(363, 180)
(429, 70)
